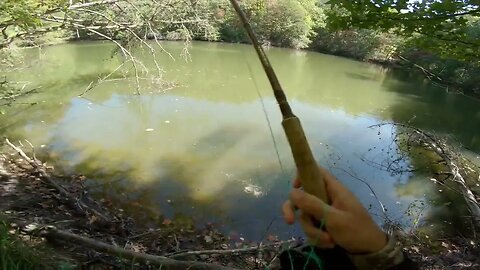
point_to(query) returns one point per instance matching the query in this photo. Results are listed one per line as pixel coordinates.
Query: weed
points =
(14, 254)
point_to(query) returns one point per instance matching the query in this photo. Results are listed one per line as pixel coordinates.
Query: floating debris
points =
(254, 190)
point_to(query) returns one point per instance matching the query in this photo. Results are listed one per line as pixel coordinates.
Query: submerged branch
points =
(433, 144)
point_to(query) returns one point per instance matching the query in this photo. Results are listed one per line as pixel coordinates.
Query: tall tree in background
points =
(449, 28)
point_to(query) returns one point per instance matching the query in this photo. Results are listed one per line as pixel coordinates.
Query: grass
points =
(14, 253)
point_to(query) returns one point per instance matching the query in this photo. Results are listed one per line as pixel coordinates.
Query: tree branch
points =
(91, 4)
(227, 251)
(74, 202)
(164, 262)
(442, 151)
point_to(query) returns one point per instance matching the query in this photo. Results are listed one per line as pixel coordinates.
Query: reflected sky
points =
(217, 157)
(204, 150)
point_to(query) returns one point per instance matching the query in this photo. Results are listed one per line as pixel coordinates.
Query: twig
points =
(33, 149)
(164, 262)
(143, 234)
(91, 4)
(227, 251)
(92, 84)
(142, 41)
(384, 211)
(123, 49)
(73, 201)
(20, 94)
(434, 145)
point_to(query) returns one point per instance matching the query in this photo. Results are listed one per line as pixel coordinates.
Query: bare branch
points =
(91, 4)
(229, 251)
(443, 152)
(164, 262)
(92, 85)
(74, 202)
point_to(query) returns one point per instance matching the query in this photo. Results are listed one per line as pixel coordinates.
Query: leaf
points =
(167, 222)
(208, 239)
(92, 219)
(272, 238)
(31, 227)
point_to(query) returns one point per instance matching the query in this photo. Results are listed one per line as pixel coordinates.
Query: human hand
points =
(348, 224)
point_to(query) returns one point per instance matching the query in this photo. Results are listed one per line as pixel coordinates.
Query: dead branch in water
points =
(441, 149)
(164, 262)
(72, 200)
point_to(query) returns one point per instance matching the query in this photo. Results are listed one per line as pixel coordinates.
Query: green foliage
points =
(25, 14)
(441, 27)
(441, 36)
(358, 44)
(286, 23)
(463, 75)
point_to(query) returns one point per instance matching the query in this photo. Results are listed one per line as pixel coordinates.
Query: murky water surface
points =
(202, 151)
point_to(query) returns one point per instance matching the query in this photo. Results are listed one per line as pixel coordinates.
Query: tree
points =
(446, 27)
(286, 23)
(125, 23)
(19, 17)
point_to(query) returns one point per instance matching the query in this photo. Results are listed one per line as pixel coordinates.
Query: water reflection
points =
(179, 149)
(431, 108)
(204, 149)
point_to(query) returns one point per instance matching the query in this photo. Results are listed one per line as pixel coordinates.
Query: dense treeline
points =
(439, 38)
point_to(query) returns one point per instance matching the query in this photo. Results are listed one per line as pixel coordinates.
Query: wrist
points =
(386, 257)
(379, 241)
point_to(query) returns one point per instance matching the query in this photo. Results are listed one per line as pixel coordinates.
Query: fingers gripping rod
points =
(312, 180)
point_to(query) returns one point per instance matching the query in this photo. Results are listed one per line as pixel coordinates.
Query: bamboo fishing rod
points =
(308, 171)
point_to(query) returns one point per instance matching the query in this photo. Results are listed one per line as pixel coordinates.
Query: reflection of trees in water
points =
(170, 196)
(431, 108)
(430, 179)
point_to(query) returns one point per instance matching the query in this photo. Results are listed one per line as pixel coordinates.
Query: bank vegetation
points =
(439, 39)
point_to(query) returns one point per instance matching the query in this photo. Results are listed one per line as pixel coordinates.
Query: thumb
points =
(309, 204)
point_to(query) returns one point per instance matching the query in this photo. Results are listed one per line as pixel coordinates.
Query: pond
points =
(204, 144)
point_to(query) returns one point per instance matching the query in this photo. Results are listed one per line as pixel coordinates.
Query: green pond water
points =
(202, 151)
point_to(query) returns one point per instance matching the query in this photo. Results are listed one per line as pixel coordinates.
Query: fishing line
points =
(311, 255)
(264, 108)
(307, 167)
(275, 145)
